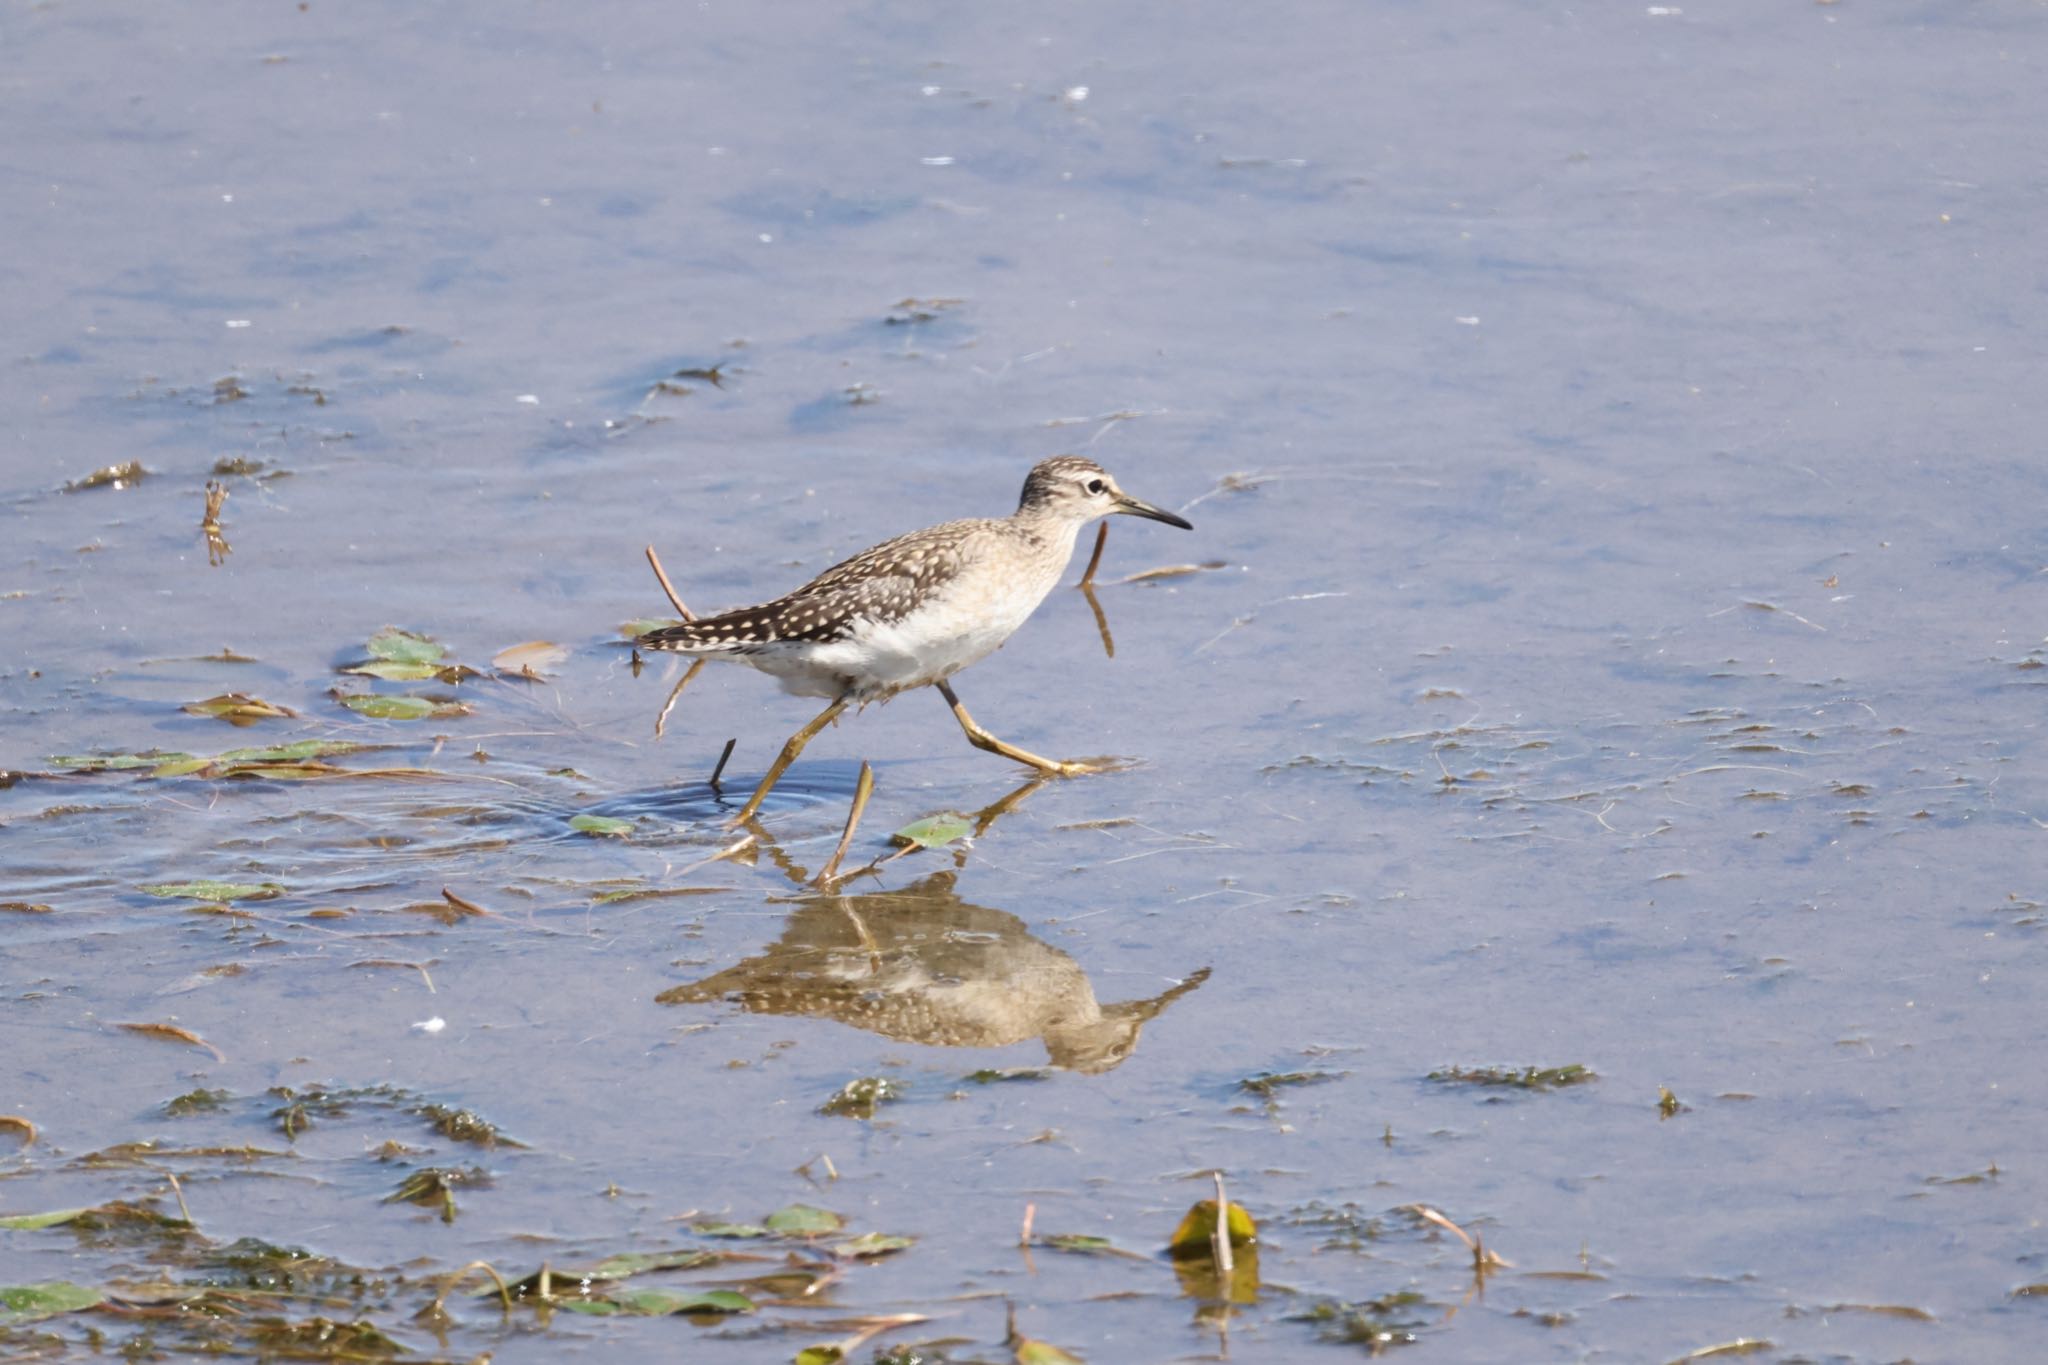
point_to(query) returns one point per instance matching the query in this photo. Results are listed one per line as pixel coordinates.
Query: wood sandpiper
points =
(913, 611)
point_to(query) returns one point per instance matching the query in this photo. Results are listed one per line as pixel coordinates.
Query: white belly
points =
(962, 624)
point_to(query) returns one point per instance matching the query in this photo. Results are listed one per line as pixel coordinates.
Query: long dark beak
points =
(1126, 503)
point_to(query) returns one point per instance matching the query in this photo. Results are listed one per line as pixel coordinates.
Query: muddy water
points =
(1619, 435)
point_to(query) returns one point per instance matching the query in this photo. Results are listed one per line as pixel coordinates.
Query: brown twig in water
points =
(20, 1125)
(1101, 621)
(456, 902)
(874, 1327)
(661, 721)
(1095, 560)
(716, 790)
(654, 562)
(1219, 1240)
(675, 600)
(862, 790)
(1482, 1259)
(217, 547)
(179, 1191)
(176, 1033)
(504, 1294)
(1030, 1216)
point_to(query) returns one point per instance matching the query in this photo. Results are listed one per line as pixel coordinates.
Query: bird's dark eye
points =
(1094, 487)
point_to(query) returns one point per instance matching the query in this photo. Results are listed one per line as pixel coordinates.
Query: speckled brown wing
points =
(885, 583)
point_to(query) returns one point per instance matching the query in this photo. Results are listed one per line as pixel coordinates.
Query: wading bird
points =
(913, 611)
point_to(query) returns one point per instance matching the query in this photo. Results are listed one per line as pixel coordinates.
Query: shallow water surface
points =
(1612, 638)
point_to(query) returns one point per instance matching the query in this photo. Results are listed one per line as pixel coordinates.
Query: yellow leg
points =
(787, 757)
(982, 739)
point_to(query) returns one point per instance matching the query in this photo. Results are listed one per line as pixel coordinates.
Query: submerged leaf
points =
(601, 825)
(217, 892)
(402, 708)
(395, 670)
(1741, 1346)
(1525, 1078)
(934, 831)
(871, 1244)
(531, 659)
(181, 767)
(743, 1231)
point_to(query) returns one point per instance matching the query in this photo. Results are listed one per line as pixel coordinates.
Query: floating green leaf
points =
(1031, 1352)
(639, 1262)
(296, 752)
(402, 708)
(820, 1355)
(601, 825)
(180, 767)
(858, 1099)
(405, 647)
(714, 1301)
(196, 1102)
(218, 892)
(116, 476)
(1265, 1083)
(95, 763)
(21, 1303)
(463, 1125)
(991, 1075)
(648, 1303)
(239, 708)
(395, 670)
(740, 1231)
(434, 1187)
(1525, 1078)
(872, 1244)
(1375, 1324)
(29, 1222)
(804, 1220)
(934, 831)
(1197, 1230)
(633, 630)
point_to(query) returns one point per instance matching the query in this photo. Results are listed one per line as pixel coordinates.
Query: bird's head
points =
(1070, 488)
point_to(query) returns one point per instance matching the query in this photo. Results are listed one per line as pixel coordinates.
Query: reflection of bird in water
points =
(923, 966)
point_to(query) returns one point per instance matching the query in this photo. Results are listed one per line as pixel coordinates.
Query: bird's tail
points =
(734, 632)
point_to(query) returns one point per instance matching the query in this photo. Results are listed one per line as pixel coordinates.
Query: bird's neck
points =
(1048, 528)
